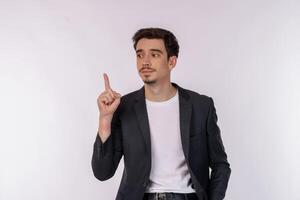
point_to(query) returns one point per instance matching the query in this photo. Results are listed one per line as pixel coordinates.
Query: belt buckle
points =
(160, 196)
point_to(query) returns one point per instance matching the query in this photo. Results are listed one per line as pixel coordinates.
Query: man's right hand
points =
(108, 102)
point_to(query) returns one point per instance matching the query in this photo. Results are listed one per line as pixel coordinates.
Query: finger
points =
(112, 94)
(104, 99)
(109, 97)
(106, 81)
(117, 95)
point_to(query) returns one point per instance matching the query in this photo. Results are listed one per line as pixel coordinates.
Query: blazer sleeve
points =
(220, 168)
(107, 155)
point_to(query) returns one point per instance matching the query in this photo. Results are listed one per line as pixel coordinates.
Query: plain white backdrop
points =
(244, 54)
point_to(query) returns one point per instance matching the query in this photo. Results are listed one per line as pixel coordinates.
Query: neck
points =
(159, 92)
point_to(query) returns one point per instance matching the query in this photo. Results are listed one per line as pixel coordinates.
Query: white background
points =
(244, 54)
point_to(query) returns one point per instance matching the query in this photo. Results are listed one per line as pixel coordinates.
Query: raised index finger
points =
(106, 81)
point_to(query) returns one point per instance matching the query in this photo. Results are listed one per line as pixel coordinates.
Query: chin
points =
(147, 81)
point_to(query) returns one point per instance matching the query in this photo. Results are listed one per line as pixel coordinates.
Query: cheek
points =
(164, 65)
(138, 64)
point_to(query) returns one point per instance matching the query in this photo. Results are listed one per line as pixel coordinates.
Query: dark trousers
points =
(170, 196)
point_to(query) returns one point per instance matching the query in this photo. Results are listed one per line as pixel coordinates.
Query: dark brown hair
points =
(170, 41)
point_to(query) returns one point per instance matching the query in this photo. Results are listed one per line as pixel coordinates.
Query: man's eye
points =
(139, 55)
(155, 55)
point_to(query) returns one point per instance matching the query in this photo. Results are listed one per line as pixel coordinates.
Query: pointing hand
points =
(109, 100)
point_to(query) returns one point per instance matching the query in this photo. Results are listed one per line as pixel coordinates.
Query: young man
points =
(168, 135)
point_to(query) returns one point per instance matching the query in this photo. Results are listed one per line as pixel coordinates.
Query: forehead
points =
(147, 44)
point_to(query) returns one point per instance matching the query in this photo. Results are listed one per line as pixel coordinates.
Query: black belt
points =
(170, 196)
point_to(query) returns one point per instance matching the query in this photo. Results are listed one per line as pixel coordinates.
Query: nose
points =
(146, 61)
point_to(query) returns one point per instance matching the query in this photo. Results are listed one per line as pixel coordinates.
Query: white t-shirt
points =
(169, 172)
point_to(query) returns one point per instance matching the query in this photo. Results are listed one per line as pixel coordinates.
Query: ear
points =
(172, 62)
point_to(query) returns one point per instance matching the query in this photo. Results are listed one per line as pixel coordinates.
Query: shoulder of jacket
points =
(195, 96)
(128, 98)
(130, 95)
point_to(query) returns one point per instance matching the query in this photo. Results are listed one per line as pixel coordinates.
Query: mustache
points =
(146, 68)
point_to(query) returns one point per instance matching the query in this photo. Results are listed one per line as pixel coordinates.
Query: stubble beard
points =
(149, 81)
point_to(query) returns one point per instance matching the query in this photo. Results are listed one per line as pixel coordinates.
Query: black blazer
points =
(130, 137)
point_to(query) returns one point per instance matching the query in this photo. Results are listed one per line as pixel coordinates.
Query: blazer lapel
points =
(142, 116)
(185, 113)
(185, 110)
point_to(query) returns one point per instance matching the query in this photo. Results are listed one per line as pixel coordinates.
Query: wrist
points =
(106, 118)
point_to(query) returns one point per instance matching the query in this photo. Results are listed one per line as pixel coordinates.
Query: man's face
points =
(152, 62)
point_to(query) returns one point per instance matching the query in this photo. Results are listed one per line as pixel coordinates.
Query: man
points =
(168, 135)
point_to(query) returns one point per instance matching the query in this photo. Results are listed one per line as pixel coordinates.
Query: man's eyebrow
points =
(139, 50)
(156, 50)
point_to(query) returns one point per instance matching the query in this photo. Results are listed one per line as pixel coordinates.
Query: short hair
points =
(170, 41)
